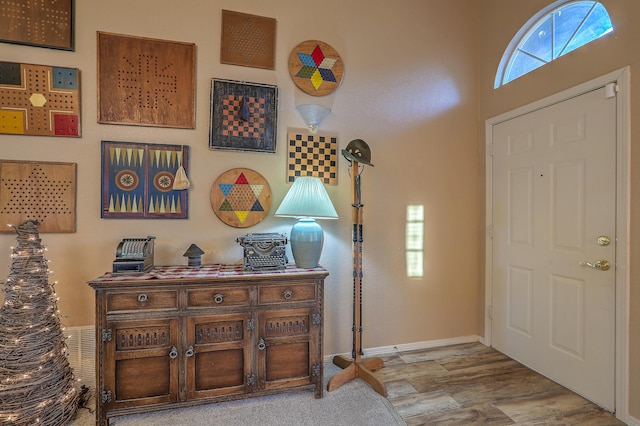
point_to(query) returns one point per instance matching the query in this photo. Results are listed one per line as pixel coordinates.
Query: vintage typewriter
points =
(264, 251)
(134, 255)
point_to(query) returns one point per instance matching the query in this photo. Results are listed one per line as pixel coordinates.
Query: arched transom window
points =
(556, 30)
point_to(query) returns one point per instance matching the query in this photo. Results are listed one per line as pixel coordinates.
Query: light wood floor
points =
(471, 384)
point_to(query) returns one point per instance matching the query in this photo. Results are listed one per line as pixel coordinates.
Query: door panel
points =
(220, 359)
(288, 353)
(554, 189)
(139, 365)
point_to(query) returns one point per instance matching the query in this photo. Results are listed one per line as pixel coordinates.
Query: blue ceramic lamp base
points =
(306, 241)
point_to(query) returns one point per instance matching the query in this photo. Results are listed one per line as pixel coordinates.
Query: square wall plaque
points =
(244, 116)
(39, 100)
(312, 155)
(43, 191)
(248, 40)
(138, 179)
(42, 23)
(146, 82)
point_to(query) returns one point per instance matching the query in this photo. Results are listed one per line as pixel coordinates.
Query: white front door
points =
(554, 225)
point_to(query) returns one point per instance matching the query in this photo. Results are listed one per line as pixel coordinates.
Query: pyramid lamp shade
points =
(313, 115)
(307, 200)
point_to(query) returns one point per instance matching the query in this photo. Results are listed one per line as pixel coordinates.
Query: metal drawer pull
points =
(189, 351)
(261, 345)
(287, 294)
(218, 298)
(174, 353)
(142, 298)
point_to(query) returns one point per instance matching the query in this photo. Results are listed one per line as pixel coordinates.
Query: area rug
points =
(353, 403)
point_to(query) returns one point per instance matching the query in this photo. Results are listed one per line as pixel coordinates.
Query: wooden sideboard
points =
(178, 336)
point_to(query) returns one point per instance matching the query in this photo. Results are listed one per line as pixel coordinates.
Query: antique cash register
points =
(134, 255)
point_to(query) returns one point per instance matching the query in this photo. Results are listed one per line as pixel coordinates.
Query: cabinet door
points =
(219, 361)
(141, 363)
(287, 348)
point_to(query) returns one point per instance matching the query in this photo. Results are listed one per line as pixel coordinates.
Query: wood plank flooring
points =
(472, 384)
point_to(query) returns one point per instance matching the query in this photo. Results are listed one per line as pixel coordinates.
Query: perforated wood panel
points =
(42, 191)
(248, 40)
(43, 23)
(39, 100)
(145, 81)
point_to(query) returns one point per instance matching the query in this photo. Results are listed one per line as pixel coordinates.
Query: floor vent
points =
(81, 342)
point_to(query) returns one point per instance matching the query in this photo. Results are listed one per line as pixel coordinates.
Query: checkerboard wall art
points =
(312, 155)
(243, 116)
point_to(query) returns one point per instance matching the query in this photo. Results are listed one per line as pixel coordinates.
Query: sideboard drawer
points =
(292, 293)
(220, 296)
(142, 300)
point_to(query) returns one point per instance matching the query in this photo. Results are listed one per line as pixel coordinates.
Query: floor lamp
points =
(357, 152)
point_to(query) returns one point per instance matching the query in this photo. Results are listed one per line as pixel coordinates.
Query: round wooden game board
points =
(316, 68)
(241, 197)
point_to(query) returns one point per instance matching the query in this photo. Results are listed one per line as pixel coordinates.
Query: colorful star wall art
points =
(316, 68)
(39, 100)
(137, 180)
(241, 197)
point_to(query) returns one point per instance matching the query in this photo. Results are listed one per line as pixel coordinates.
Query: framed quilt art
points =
(146, 82)
(137, 180)
(39, 100)
(243, 116)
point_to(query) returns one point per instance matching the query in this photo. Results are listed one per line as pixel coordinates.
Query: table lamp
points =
(307, 200)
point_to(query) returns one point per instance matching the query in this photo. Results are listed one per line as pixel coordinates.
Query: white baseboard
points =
(631, 421)
(404, 347)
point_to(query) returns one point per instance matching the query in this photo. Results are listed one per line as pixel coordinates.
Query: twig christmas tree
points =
(36, 381)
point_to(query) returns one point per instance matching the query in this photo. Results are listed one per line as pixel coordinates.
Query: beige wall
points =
(409, 91)
(418, 88)
(499, 21)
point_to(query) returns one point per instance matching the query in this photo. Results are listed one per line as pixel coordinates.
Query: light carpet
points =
(353, 403)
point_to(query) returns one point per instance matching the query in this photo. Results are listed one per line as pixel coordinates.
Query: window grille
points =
(556, 30)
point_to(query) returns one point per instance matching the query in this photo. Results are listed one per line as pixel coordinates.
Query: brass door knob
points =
(602, 265)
